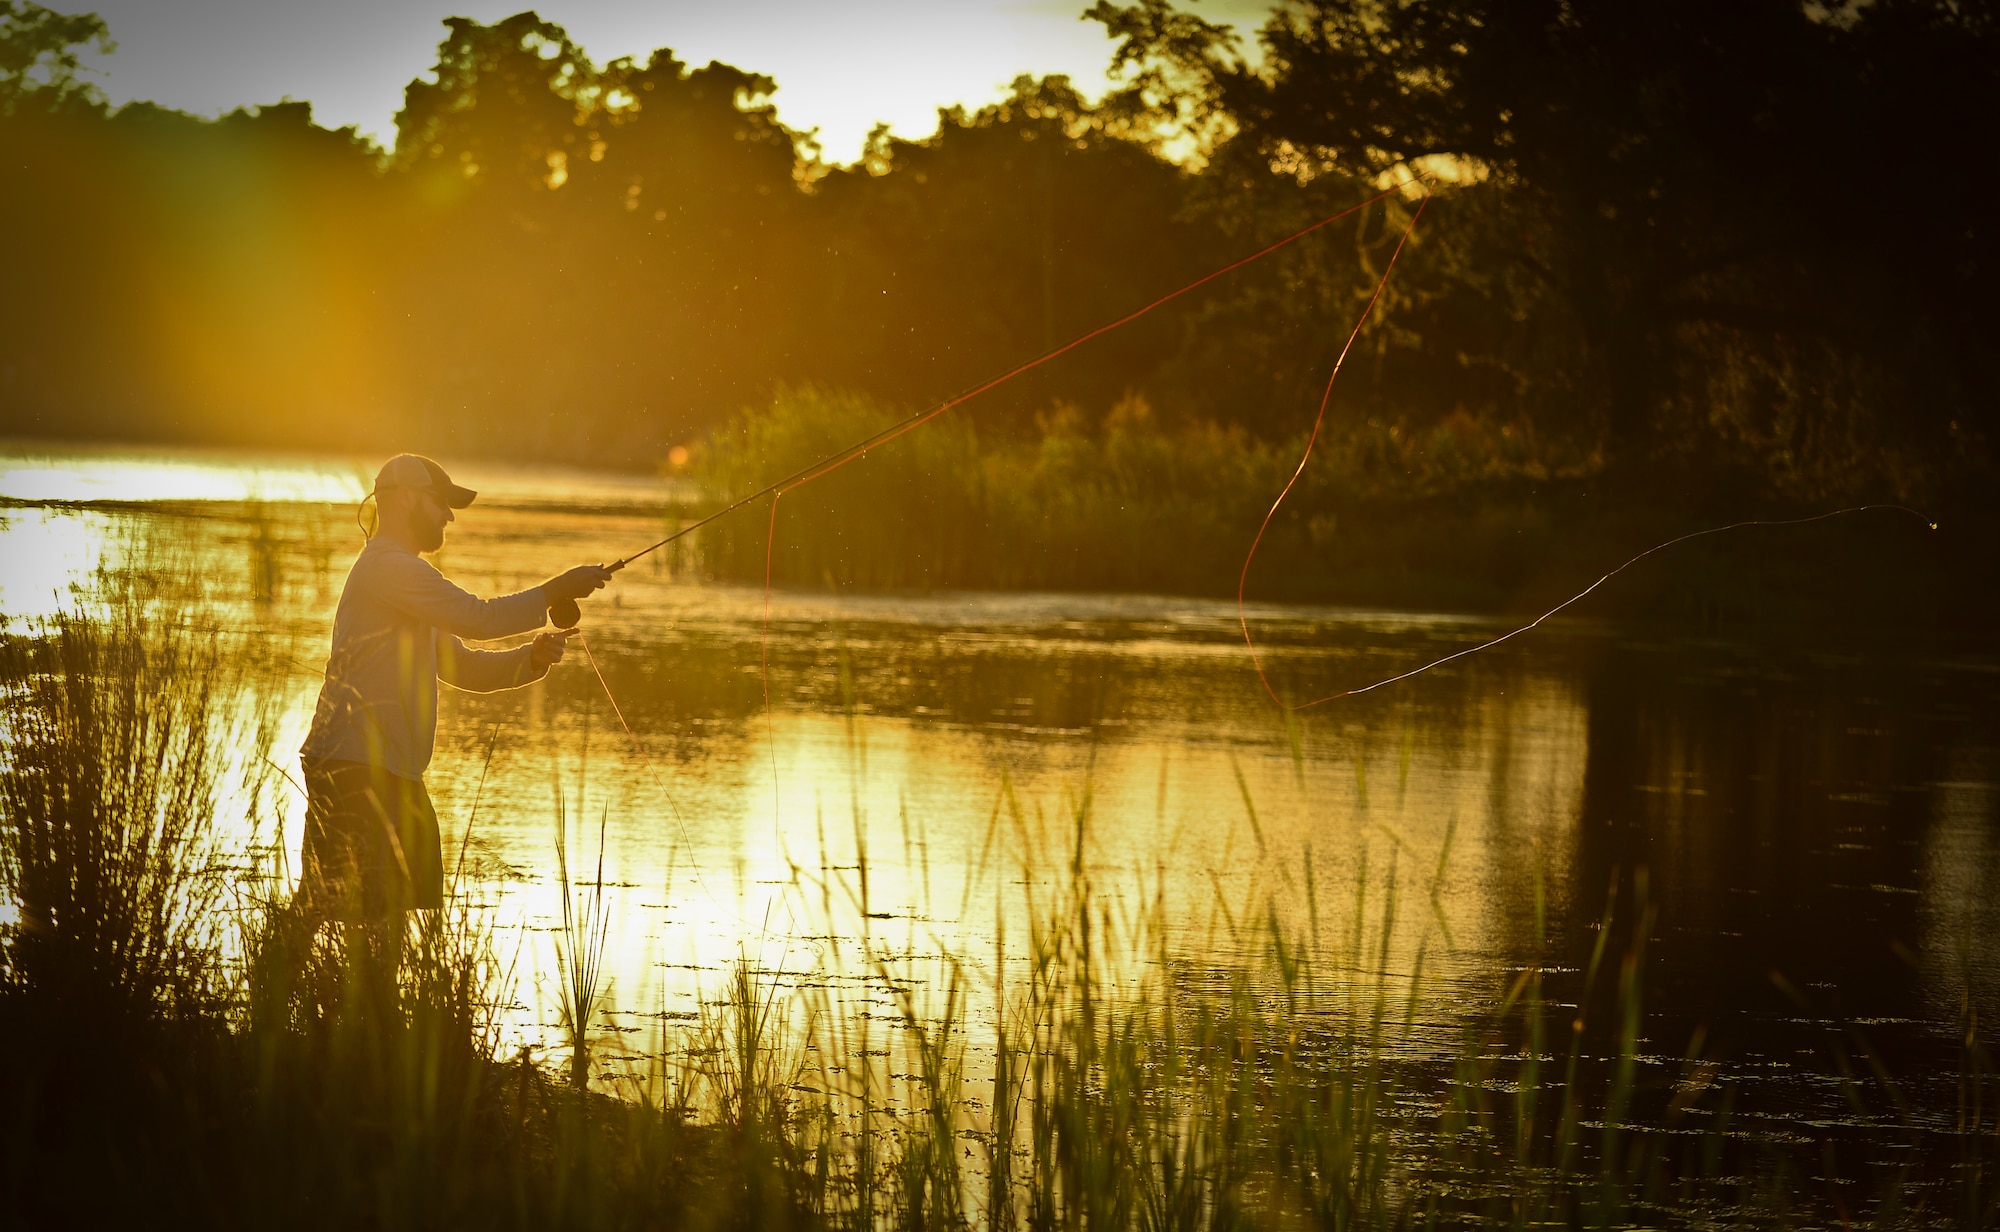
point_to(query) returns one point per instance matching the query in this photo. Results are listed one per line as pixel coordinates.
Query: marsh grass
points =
(1458, 516)
(114, 856)
(1100, 1070)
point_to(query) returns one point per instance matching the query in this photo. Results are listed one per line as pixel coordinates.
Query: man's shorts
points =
(371, 847)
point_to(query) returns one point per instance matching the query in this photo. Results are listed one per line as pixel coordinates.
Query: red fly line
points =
(835, 461)
(799, 479)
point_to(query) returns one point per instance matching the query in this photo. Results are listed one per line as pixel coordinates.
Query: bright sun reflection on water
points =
(80, 474)
(48, 552)
(72, 475)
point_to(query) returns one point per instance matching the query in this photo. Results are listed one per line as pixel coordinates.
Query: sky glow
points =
(840, 67)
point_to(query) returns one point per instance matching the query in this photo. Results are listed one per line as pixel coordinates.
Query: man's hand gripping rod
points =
(564, 612)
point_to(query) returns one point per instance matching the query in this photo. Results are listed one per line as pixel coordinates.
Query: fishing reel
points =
(565, 613)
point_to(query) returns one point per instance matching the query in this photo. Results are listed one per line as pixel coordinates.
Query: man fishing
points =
(372, 849)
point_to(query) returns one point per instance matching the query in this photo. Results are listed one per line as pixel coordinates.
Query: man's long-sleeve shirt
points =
(399, 630)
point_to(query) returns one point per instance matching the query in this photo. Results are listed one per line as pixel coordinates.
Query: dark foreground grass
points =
(158, 1073)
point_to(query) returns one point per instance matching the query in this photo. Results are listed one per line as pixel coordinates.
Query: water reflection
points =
(1817, 827)
(1958, 887)
(967, 764)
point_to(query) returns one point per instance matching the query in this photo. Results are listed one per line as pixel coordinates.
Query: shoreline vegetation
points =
(1455, 519)
(1087, 1077)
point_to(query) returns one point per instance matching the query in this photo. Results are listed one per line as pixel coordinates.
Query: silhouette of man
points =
(372, 848)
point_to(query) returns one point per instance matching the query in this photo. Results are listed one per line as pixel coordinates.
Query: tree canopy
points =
(1739, 244)
(38, 57)
(1743, 234)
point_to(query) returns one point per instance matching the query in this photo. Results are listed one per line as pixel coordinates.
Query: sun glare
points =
(81, 478)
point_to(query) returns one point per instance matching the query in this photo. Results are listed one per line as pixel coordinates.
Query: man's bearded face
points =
(421, 514)
(428, 518)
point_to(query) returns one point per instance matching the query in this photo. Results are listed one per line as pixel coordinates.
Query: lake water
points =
(1815, 818)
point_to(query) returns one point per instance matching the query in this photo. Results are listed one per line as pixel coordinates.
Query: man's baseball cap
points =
(412, 470)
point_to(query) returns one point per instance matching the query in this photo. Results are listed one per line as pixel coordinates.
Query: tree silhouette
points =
(1688, 195)
(38, 58)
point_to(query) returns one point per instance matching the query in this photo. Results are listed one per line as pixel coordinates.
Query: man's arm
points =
(415, 588)
(486, 671)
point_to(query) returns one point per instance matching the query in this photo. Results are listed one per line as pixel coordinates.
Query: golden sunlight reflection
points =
(1962, 888)
(940, 838)
(76, 474)
(47, 554)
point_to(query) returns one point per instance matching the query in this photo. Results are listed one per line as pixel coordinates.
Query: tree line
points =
(1741, 246)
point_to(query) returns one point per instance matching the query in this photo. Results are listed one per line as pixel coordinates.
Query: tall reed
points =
(586, 923)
